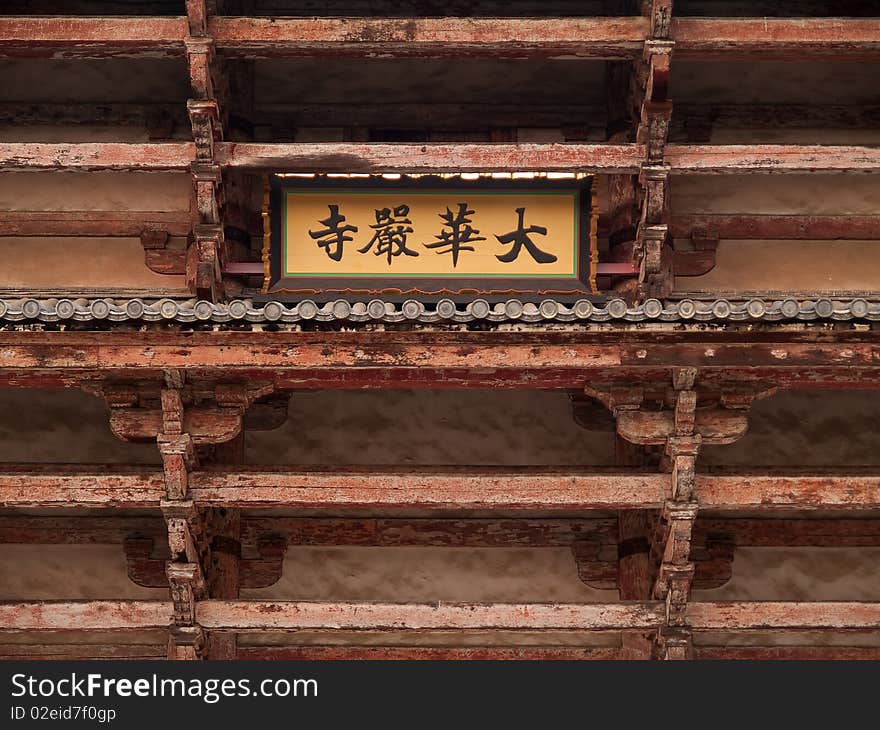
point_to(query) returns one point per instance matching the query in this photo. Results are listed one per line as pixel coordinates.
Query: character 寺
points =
(333, 237)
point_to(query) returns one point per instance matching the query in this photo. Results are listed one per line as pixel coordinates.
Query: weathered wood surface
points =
(228, 615)
(605, 158)
(726, 226)
(783, 38)
(84, 615)
(96, 37)
(446, 532)
(788, 653)
(431, 157)
(770, 158)
(80, 486)
(391, 487)
(425, 653)
(294, 360)
(442, 37)
(448, 37)
(437, 487)
(329, 616)
(841, 489)
(784, 615)
(121, 224)
(96, 156)
(69, 652)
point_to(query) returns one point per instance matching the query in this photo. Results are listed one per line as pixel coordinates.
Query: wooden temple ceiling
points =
(190, 373)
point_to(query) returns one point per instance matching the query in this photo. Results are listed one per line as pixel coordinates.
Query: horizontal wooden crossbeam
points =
(292, 360)
(447, 37)
(122, 223)
(502, 532)
(425, 653)
(777, 38)
(390, 488)
(726, 226)
(292, 616)
(605, 158)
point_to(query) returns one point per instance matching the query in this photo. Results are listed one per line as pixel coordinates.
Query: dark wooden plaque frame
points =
(430, 289)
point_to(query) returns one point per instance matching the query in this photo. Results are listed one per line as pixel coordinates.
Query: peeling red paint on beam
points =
(453, 487)
(845, 489)
(784, 615)
(78, 37)
(84, 615)
(833, 377)
(61, 485)
(348, 616)
(96, 156)
(430, 157)
(122, 223)
(783, 38)
(788, 653)
(724, 226)
(447, 37)
(616, 355)
(426, 653)
(771, 158)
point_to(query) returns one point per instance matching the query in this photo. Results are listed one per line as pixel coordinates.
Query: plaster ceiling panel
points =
(62, 426)
(477, 427)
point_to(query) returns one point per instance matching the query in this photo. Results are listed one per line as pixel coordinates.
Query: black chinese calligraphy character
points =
(520, 238)
(391, 229)
(460, 234)
(333, 237)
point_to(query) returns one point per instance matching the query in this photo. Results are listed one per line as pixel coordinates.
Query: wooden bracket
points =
(159, 257)
(699, 260)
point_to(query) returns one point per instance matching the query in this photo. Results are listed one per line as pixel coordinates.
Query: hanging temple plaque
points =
(430, 237)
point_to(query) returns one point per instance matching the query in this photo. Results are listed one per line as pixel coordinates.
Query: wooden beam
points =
(84, 615)
(96, 156)
(69, 652)
(788, 653)
(448, 37)
(804, 490)
(433, 157)
(95, 37)
(501, 532)
(784, 616)
(326, 616)
(791, 116)
(770, 158)
(120, 224)
(794, 39)
(772, 227)
(142, 355)
(426, 653)
(80, 486)
(467, 488)
(569, 488)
